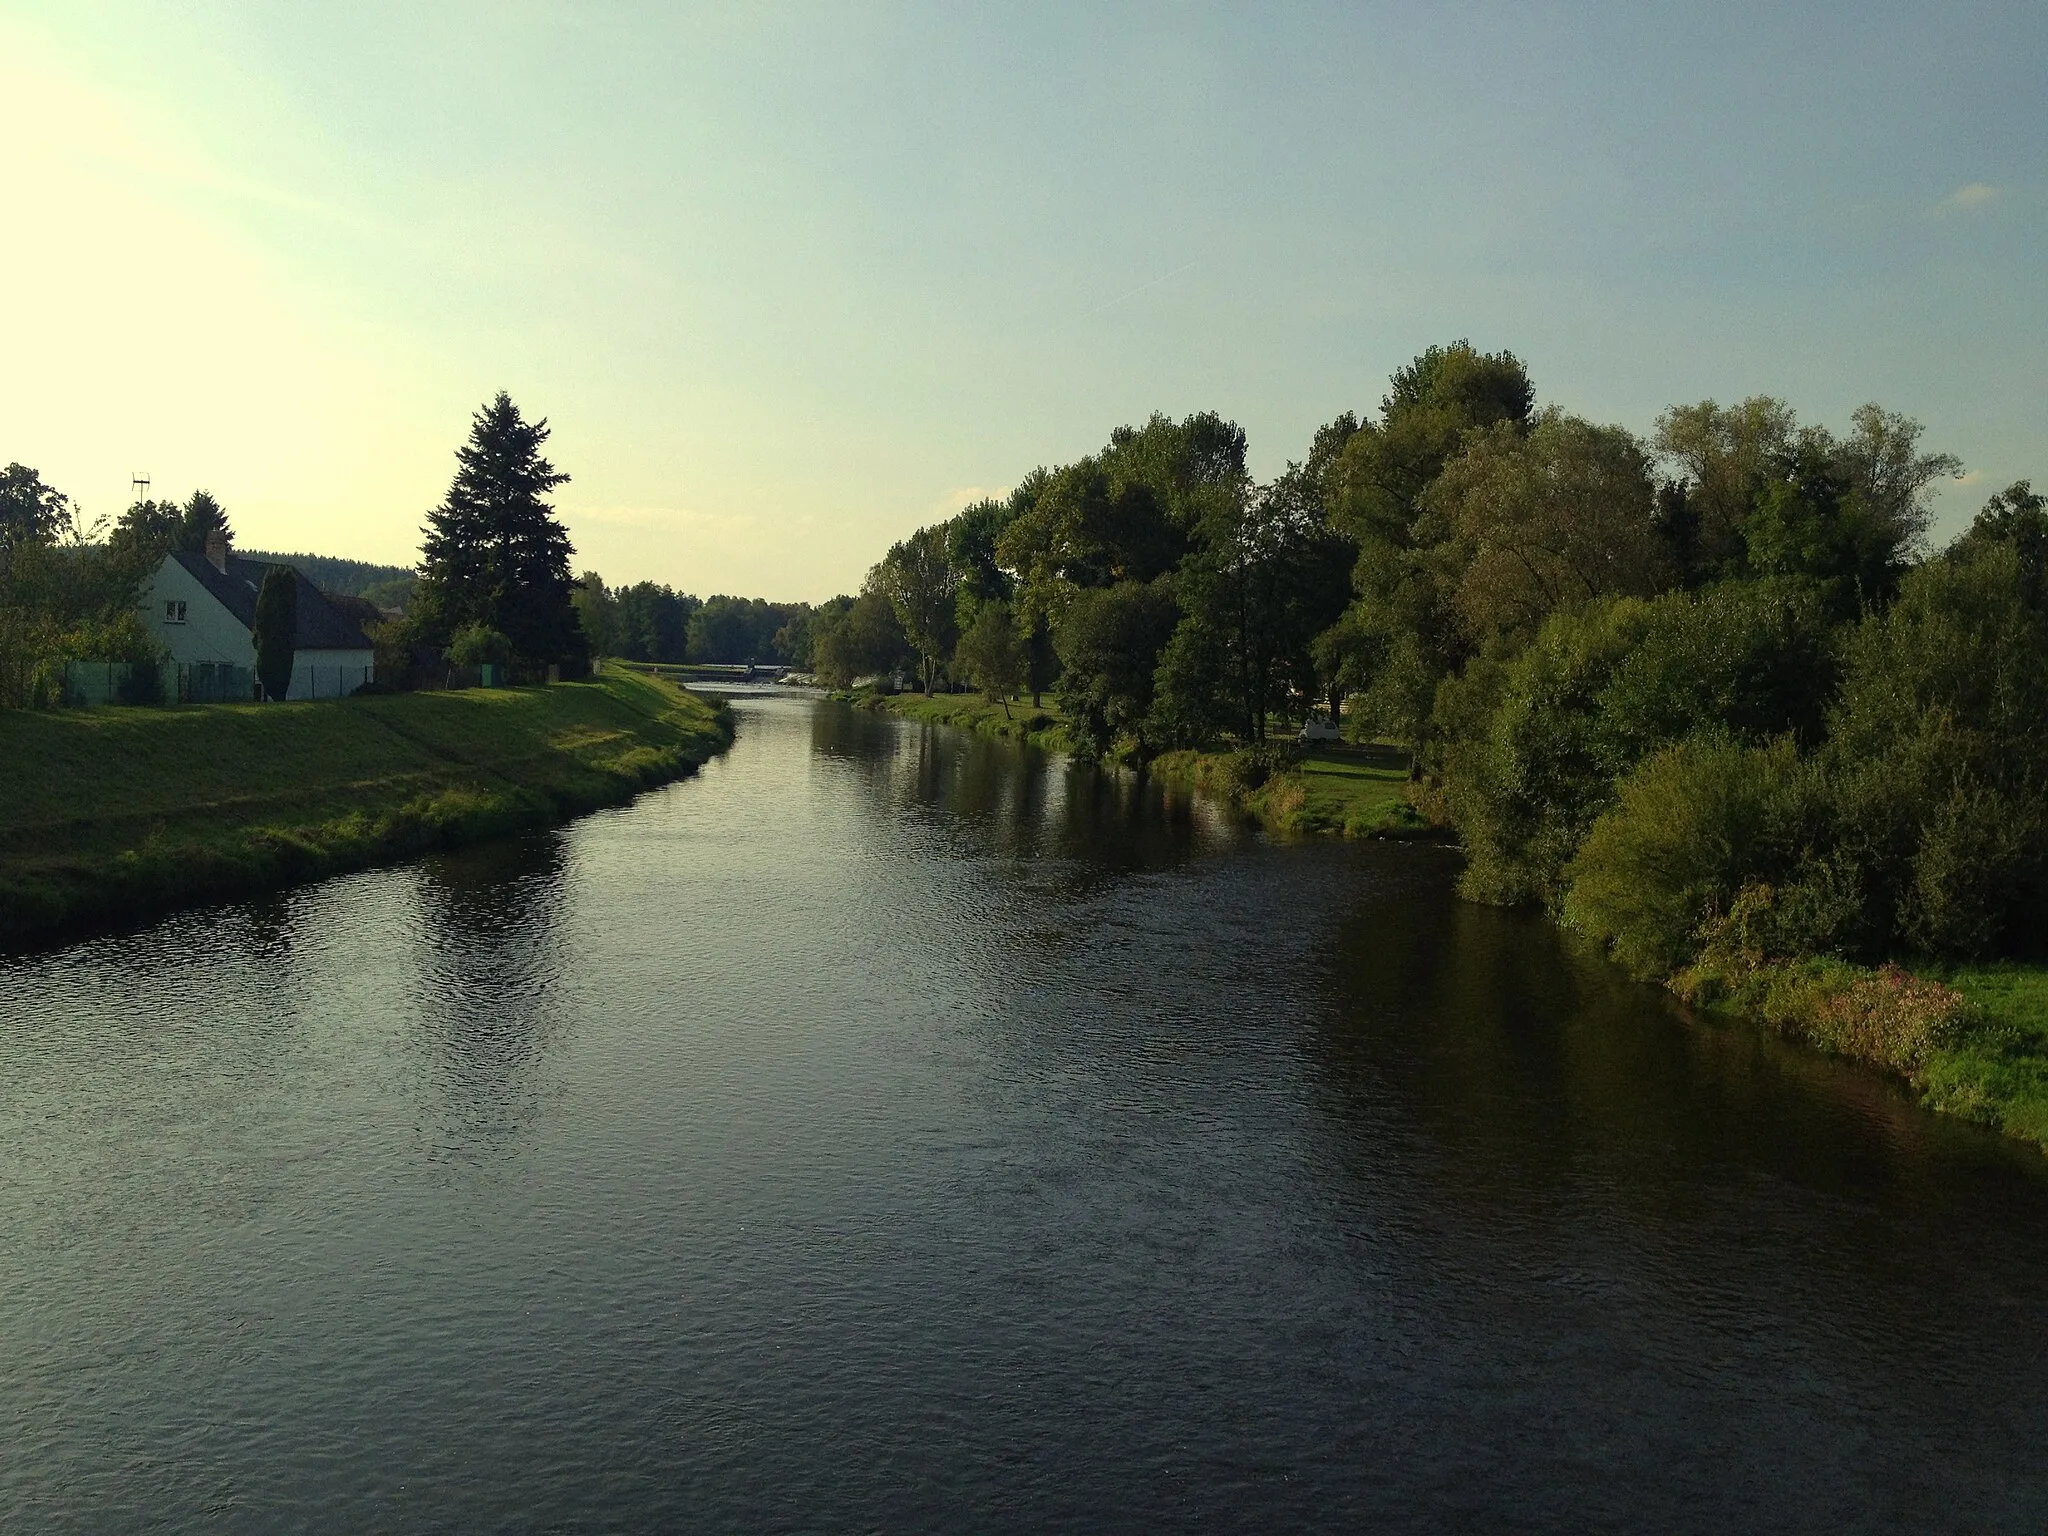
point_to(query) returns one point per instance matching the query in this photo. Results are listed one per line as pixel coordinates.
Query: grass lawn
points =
(1999, 1071)
(1350, 791)
(1038, 726)
(1356, 792)
(123, 810)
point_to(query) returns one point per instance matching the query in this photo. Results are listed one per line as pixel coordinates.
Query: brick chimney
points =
(217, 551)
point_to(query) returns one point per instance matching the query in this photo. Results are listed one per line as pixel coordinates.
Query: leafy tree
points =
(1124, 514)
(1724, 455)
(30, 511)
(1268, 575)
(495, 554)
(971, 539)
(651, 622)
(2017, 517)
(596, 612)
(1937, 755)
(1691, 829)
(1383, 467)
(1350, 656)
(918, 577)
(992, 655)
(276, 629)
(144, 534)
(1526, 523)
(1374, 477)
(1536, 741)
(859, 638)
(792, 642)
(1850, 510)
(739, 629)
(1109, 643)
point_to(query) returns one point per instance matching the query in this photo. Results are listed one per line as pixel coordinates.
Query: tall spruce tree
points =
(204, 517)
(494, 553)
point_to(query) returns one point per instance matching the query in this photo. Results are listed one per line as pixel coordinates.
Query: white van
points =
(1318, 729)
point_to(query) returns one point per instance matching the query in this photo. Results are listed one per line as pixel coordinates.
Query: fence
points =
(328, 682)
(207, 682)
(89, 683)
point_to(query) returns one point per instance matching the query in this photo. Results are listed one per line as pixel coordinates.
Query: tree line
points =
(493, 584)
(1705, 688)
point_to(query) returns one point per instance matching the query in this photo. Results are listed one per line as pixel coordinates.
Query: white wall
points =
(209, 633)
(330, 674)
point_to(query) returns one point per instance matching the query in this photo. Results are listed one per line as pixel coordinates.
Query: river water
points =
(889, 1129)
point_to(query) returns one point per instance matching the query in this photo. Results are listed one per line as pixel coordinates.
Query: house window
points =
(174, 612)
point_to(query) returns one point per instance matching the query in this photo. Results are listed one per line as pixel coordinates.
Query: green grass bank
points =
(1347, 791)
(1031, 725)
(1329, 792)
(114, 813)
(1972, 1041)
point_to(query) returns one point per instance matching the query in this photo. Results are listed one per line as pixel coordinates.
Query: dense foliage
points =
(1707, 692)
(68, 591)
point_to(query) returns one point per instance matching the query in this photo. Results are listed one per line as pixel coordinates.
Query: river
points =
(889, 1129)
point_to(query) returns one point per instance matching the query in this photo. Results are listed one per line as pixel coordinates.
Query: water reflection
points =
(890, 1129)
(1019, 802)
(487, 1006)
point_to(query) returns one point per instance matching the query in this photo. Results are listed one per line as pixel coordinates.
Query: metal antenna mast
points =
(140, 485)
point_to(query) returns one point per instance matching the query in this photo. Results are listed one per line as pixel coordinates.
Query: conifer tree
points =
(276, 629)
(204, 517)
(494, 553)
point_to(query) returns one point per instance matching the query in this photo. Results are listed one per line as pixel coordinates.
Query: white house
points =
(202, 607)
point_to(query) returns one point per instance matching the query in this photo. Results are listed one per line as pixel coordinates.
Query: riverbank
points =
(1971, 1041)
(116, 813)
(1031, 725)
(1329, 792)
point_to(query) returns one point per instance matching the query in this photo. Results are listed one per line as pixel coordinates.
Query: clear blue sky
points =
(790, 281)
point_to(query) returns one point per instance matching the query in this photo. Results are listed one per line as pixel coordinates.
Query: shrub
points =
(1250, 767)
(1539, 742)
(478, 645)
(1885, 1016)
(1691, 827)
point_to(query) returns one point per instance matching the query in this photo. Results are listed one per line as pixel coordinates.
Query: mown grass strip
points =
(112, 814)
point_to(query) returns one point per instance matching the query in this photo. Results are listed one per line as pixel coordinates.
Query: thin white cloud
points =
(1968, 199)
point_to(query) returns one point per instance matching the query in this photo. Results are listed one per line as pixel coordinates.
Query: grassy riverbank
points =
(1033, 725)
(113, 813)
(1329, 792)
(1972, 1041)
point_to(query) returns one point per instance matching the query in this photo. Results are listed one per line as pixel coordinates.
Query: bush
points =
(478, 645)
(1692, 826)
(1249, 768)
(1886, 1016)
(1536, 744)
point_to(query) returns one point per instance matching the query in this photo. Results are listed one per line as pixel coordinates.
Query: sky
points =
(789, 281)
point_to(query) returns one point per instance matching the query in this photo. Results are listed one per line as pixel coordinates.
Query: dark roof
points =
(320, 627)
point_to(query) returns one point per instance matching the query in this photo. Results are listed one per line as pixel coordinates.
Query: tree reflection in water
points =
(489, 975)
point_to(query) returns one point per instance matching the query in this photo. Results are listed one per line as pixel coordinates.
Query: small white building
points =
(202, 608)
